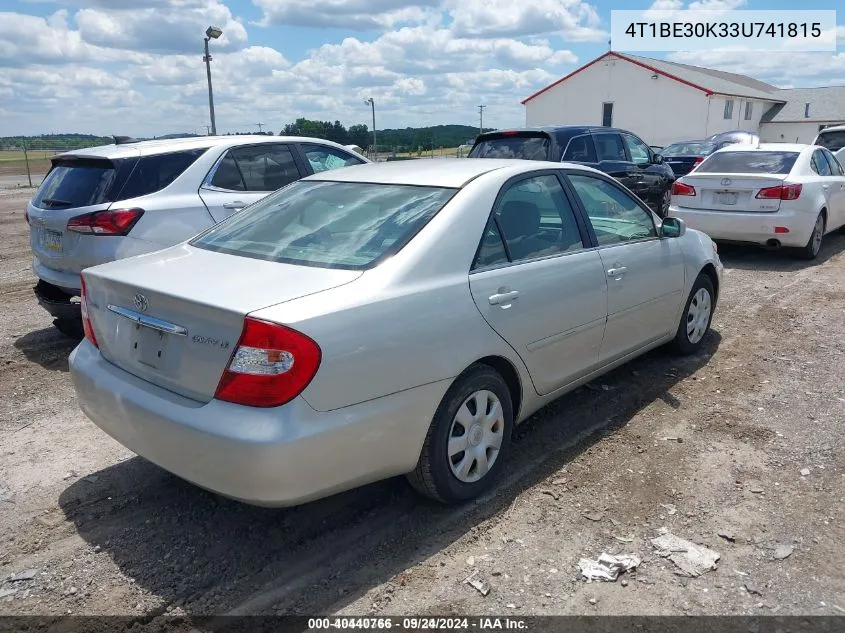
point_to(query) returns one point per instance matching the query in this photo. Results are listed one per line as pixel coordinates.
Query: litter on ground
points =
(607, 568)
(691, 560)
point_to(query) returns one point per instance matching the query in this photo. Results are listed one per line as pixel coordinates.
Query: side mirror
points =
(673, 227)
(658, 159)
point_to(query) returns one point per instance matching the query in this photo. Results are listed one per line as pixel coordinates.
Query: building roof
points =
(826, 105)
(707, 80)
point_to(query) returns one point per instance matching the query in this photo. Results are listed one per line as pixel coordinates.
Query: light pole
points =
(211, 33)
(373, 104)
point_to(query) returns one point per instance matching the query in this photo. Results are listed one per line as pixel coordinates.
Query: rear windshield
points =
(77, 183)
(518, 146)
(347, 225)
(834, 141)
(688, 149)
(749, 163)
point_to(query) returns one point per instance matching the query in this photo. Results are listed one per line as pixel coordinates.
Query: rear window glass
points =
(328, 224)
(154, 173)
(749, 163)
(834, 141)
(517, 146)
(688, 149)
(75, 182)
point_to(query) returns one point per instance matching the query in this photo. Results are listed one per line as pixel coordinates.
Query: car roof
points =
(557, 129)
(162, 146)
(766, 147)
(833, 128)
(435, 172)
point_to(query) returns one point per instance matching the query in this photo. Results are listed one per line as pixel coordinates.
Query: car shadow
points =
(781, 260)
(47, 347)
(209, 556)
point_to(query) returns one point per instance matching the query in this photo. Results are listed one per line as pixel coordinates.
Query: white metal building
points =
(663, 102)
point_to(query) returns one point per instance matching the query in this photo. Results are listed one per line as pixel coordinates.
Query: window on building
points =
(806, 110)
(729, 108)
(607, 114)
(749, 109)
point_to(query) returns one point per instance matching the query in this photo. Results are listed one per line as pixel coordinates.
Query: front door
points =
(246, 174)
(645, 274)
(647, 183)
(537, 285)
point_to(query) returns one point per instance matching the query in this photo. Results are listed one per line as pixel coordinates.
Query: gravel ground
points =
(742, 440)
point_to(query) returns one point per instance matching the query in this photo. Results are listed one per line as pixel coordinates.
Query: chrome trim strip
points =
(148, 321)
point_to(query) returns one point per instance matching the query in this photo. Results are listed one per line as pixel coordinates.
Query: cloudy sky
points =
(135, 66)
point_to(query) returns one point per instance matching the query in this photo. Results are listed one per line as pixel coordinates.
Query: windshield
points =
(834, 141)
(688, 149)
(348, 225)
(527, 147)
(749, 163)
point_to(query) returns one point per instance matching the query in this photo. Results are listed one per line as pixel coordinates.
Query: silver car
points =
(384, 319)
(105, 203)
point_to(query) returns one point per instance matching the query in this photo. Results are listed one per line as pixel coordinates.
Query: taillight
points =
(86, 320)
(781, 192)
(682, 189)
(697, 162)
(110, 222)
(272, 364)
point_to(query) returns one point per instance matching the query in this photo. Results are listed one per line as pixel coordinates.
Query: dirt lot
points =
(97, 530)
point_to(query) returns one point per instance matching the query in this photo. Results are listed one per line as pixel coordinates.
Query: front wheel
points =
(665, 201)
(814, 245)
(468, 439)
(696, 318)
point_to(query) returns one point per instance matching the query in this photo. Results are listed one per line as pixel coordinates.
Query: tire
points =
(665, 201)
(459, 477)
(814, 244)
(71, 328)
(696, 318)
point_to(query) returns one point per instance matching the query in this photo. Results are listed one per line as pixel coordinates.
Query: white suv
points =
(105, 203)
(833, 139)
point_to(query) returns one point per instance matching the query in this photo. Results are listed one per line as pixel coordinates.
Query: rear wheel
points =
(698, 313)
(814, 245)
(468, 439)
(665, 201)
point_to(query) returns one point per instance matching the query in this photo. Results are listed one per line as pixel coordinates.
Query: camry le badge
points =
(140, 302)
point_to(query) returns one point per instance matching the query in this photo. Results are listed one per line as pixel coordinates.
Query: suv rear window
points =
(749, 163)
(834, 141)
(524, 146)
(348, 225)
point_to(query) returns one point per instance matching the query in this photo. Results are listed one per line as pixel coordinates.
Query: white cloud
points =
(353, 15)
(575, 20)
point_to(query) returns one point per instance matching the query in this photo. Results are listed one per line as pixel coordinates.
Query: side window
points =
(581, 150)
(609, 147)
(835, 166)
(536, 219)
(256, 168)
(492, 248)
(729, 108)
(639, 152)
(324, 158)
(615, 216)
(819, 164)
(154, 173)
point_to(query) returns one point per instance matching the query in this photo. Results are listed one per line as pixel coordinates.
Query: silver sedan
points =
(384, 319)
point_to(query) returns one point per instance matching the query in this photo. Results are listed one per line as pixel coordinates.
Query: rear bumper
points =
(274, 457)
(69, 282)
(753, 228)
(56, 301)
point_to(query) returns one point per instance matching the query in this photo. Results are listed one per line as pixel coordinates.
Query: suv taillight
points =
(272, 364)
(781, 192)
(86, 320)
(110, 222)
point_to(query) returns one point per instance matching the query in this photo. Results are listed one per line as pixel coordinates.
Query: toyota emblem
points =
(726, 181)
(140, 302)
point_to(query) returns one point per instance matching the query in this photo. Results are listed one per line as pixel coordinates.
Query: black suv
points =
(618, 153)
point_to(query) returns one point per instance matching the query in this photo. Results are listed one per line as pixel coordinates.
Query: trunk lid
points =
(730, 192)
(681, 165)
(173, 318)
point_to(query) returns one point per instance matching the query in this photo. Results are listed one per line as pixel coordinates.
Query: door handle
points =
(502, 298)
(237, 204)
(617, 272)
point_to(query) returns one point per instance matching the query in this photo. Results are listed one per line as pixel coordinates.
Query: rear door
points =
(528, 145)
(538, 283)
(613, 158)
(246, 174)
(647, 182)
(834, 189)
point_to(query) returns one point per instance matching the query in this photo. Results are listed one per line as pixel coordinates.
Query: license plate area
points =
(149, 346)
(51, 240)
(727, 198)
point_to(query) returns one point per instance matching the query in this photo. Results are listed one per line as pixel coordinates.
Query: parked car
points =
(619, 153)
(383, 319)
(833, 139)
(734, 137)
(774, 194)
(105, 203)
(684, 156)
